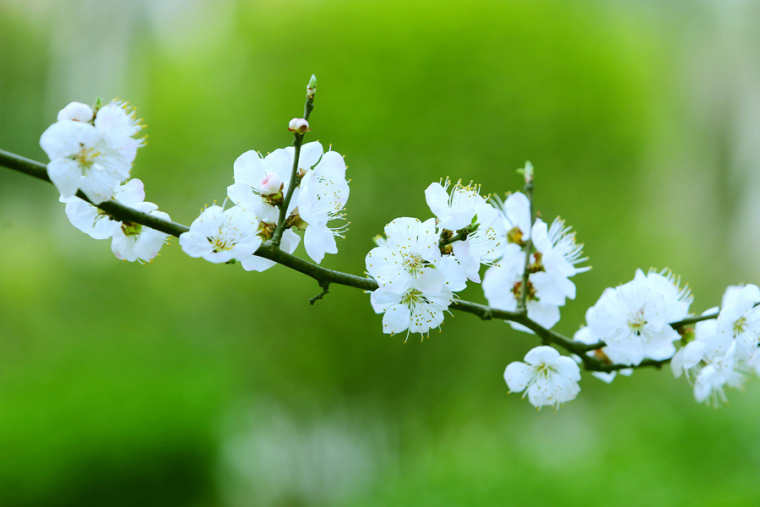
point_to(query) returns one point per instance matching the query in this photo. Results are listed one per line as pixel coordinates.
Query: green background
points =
(191, 384)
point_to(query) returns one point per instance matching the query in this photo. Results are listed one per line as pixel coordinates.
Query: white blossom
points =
(546, 377)
(416, 308)
(219, 235)
(456, 209)
(409, 251)
(288, 243)
(298, 125)
(94, 157)
(322, 195)
(634, 319)
(725, 349)
(95, 222)
(129, 241)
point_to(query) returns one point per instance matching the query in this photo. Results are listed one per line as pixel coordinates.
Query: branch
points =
(528, 173)
(325, 276)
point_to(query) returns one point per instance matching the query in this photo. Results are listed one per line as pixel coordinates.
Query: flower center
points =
(220, 244)
(414, 264)
(86, 156)
(637, 322)
(515, 235)
(517, 291)
(412, 297)
(740, 325)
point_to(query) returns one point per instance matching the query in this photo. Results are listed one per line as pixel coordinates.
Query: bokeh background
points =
(189, 384)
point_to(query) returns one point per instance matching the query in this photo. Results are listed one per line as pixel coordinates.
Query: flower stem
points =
(293, 183)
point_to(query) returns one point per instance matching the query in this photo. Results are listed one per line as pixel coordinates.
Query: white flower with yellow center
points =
(219, 235)
(94, 155)
(633, 320)
(417, 308)
(409, 251)
(546, 377)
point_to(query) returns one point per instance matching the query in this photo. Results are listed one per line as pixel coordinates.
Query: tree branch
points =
(325, 276)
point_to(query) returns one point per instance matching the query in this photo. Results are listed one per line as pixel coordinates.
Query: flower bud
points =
(270, 184)
(298, 125)
(311, 87)
(75, 111)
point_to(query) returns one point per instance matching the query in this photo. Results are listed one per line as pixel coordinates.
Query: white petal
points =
(518, 375)
(65, 175)
(396, 319)
(319, 240)
(542, 354)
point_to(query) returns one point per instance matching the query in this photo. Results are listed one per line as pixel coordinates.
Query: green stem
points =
(293, 183)
(325, 276)
(528, 249)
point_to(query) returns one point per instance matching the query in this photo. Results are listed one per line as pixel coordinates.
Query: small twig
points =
(325, 289)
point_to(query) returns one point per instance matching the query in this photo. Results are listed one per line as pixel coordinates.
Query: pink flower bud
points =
(298, 125)
(75, 111)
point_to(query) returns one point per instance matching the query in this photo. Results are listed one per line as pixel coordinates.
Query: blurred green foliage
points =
(119, 383)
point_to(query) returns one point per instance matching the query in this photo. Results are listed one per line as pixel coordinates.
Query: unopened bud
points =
(76, 111)
(298, 125)
(311, 87)
(527, 172)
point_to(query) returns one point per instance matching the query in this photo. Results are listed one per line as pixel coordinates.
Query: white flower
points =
(516, 215)
(719, 372)
(502, 286)
(454, 210)
(546, 377)
(554, 262)
(94, 158)
(739, 318)
(417, 308)
(95, 222)
(408, 252)
(634, 319)
(219, 235)
(322, 195)
(256, 179)
(135, 242)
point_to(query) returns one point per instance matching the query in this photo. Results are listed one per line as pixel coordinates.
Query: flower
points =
(129, 241)
(546, 377)
(634, 319)
(502, 286)
(257, 179)
(454, 210)
(724, 349)
(417, 308)
(322, 195)
(219, 235)
(408, 253)
(554, 262)
(516, 214)
(93, 157)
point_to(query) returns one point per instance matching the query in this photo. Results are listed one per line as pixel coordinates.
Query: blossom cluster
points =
(91, 151)
(259, 193)
(420, 266)
(526, 265)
